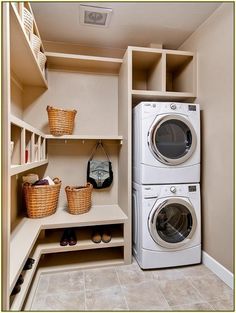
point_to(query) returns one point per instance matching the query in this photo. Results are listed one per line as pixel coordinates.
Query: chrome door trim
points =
(153, 217)
(152, 145)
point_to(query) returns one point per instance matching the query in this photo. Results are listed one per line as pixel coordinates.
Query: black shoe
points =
(16, 290)
(20, 280)
(72, 237)
(64, 238)
(28, 264)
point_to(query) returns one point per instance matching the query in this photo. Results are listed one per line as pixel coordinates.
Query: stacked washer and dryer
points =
(166, 190)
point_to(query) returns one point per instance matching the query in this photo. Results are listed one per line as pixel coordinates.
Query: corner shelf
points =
(98, 215)
(23, 61)
(83, 63)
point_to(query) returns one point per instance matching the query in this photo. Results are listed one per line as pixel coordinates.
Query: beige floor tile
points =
(167, 274)
(38, 302)
(133, 275)
(211, 287)
(179, 291)
(195, 270)
(145, 296)
(100, 278)
(43, 284)
(63, 302)
(66, 282)
(204, 306)
(105, 299)
(223, 305)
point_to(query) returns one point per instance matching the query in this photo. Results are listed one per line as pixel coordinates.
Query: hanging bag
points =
(99, 173)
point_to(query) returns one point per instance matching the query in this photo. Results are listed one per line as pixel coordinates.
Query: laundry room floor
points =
(128, 288)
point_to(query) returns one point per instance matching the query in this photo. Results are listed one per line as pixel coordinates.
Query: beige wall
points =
(213, 42)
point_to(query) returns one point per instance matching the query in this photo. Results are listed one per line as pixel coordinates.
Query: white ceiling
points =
(132, 23)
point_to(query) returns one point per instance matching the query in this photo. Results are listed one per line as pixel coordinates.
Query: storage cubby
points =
(37, 146)
(15, 145)
(179, 73)
(147, 70)
(29, 147)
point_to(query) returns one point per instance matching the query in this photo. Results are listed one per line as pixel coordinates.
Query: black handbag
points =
(99, 173)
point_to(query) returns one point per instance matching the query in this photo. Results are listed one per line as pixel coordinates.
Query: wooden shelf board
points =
(19, 168)
(22, 124)
(23, 239)
(148, 95)
(28, 276)
(25, 234)
(85, 137)
(23, 61)
(97, 215)
(157, 50)
(83, 63)
(51, 243)
(84, 259)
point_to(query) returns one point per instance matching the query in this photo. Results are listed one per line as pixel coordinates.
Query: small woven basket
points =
(36, 43)
(79, 198)
(27, 21)
(42, 200)
(61, 122)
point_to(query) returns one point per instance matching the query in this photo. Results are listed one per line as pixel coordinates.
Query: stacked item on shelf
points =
(35, 41)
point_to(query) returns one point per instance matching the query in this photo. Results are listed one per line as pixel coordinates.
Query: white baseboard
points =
(218, 269)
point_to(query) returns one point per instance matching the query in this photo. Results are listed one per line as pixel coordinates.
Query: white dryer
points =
(166, 143)
(166, 225)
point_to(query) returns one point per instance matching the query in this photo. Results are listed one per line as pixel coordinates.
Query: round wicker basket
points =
(61, 122)
(42, 200)
(79, 198)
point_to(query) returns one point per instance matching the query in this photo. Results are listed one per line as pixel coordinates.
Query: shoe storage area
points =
(102, 90)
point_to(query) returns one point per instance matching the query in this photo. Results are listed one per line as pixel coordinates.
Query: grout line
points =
(121, 287)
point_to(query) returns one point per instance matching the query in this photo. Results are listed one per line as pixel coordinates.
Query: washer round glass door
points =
(172, 223)
(172, 139)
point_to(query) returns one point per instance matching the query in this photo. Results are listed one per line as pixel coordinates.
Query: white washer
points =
(166, 143)
(166, 225)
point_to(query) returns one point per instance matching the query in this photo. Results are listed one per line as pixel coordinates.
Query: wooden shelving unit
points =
(83, 63)
(23, 60)
(161, 75)
(98, 215)
(103, 90)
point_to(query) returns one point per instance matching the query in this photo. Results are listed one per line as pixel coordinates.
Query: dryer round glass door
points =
(172, 139)
(172, 223)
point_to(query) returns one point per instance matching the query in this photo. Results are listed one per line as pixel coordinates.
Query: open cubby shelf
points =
(159, 74)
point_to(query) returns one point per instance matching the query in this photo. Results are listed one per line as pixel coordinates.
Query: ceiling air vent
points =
(95, 16)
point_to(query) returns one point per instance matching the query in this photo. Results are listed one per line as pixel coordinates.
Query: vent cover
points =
(95, 16)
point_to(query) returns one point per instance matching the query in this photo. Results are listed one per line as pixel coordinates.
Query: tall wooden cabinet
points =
(103, 90)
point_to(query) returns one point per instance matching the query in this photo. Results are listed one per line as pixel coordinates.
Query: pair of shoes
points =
(28, 264)
(68, 237)
(17, 287)
(104, 236)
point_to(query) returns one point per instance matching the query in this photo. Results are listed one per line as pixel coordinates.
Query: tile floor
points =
(128, 288)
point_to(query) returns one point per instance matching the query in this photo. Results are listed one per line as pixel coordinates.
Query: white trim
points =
(218, 269)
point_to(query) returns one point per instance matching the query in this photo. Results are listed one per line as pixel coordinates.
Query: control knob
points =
(173, 189)
(173, 106)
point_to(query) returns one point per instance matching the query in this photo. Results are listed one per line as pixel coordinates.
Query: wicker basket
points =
(36, 43)
(61, 122)
(42, 60)
(42, 200)
(27, 21)
(79, 198)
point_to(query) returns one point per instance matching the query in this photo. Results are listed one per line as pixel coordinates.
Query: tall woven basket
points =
(61, 122)
(42, 200)
(79, 198)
